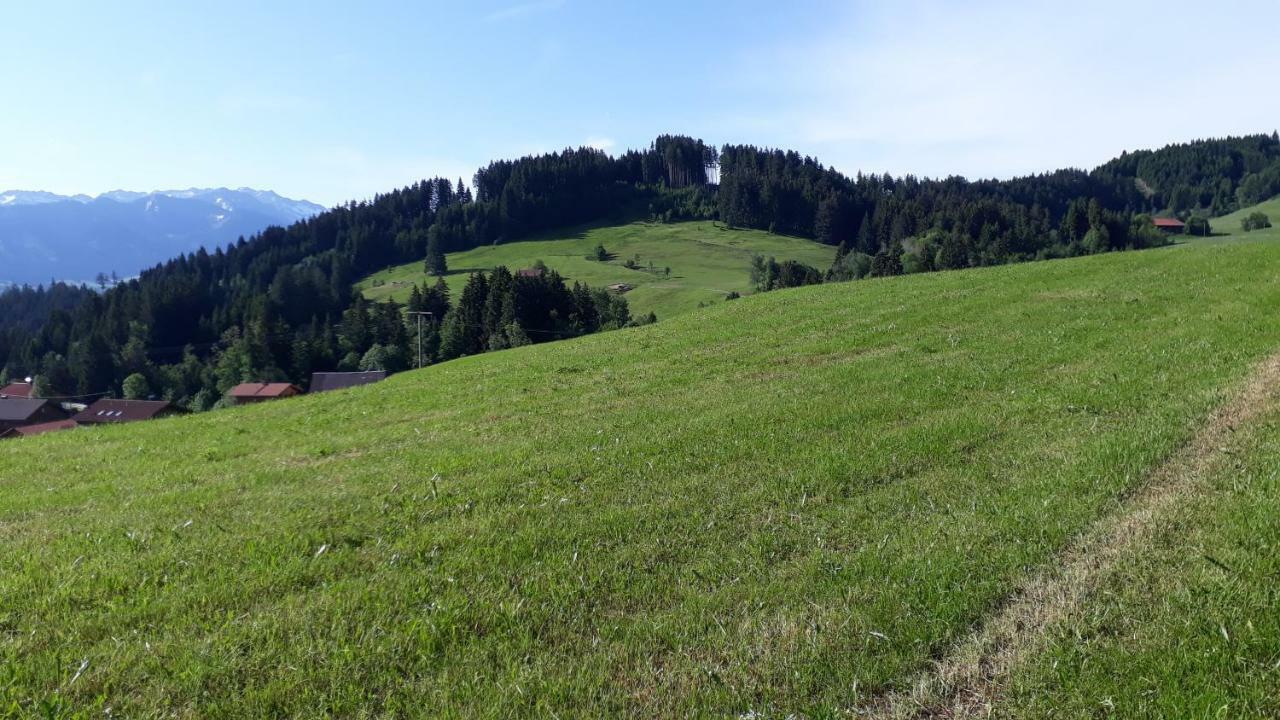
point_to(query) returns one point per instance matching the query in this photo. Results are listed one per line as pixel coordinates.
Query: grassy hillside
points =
(707, 262)
(784, 504)
(1230, 224)
(1188, 626)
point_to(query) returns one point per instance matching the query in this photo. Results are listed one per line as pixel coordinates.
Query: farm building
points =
(532, 272)
(40, 429)
(247, 393)
(108, 411)
(16, 390)
(1170, 225)
(326, 381)
(19, 412)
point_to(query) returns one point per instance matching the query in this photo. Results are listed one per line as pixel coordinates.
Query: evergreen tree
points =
(435, 300)
(435, 264)
(866, 239)
(885, 264)
(499, 306)
(55, 379)
(91, 365)
(453, 337)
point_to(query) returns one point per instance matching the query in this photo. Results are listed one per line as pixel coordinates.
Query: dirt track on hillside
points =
(968, 681)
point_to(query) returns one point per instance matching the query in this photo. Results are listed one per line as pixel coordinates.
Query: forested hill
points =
(280, 305)
(1214, 177)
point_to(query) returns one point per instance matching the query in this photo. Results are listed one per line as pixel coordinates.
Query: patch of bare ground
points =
(969, 680)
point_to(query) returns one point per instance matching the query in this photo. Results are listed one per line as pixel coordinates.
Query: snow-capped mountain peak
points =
(10, 198)
(44, 235)
(244, 198)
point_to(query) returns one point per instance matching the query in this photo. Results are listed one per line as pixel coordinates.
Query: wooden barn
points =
(16, 390)
(326, 381)
(107, 411)
(249, 393)
(40, 429)
(20, 412)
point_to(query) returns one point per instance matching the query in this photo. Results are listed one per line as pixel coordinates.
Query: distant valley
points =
(45, 236)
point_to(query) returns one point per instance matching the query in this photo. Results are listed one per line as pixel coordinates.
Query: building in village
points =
(248, 393)
(107, 411)
(20, 412)
(326, 381)
(40, 429)
(16, 390)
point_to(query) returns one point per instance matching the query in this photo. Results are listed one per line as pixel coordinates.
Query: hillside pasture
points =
(707, 261)
(784, 505)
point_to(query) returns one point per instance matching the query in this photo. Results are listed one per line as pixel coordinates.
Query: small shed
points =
(107, 411)
(16, 390)
(1173, 226)
(40, 429)
(326, 381)
(19, 412)
(247, 393)
(532, 272)
(620, 287)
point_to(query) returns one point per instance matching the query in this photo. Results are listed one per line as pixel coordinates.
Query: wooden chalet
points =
(108, 411)
(248, 393)
(20, 412)
(16, 390)
(326, 381)
(40, 429)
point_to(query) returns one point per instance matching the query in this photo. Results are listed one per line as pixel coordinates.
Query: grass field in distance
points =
(1229, 225)
(707, 261)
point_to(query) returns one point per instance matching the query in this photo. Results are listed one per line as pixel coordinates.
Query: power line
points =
(419, 314)
(82, 396)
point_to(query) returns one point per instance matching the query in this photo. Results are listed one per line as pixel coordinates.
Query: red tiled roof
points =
(42, 428)
(17, 390)
(263, 390)
(1169, 222)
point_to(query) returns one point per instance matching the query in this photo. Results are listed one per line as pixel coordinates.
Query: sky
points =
(333, 101)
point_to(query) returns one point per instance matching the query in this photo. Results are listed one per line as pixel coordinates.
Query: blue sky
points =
(338, 100)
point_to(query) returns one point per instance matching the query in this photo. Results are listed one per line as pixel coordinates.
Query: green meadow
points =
(707, 261)
(784, 505)
(1187, 625)
(1229, 225)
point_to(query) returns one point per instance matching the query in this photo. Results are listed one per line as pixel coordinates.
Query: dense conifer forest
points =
(280, 305)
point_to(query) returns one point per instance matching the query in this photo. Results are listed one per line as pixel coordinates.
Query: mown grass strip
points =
(970, 680)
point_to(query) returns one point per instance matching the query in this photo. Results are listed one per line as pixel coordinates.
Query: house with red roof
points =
(16, 390)
(110, 411)
(40, 429)
(1173, 226)
(247, 393)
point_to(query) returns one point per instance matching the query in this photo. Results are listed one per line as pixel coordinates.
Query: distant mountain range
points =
(45, 236)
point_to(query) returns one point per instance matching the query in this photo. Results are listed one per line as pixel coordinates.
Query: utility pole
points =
(420, 313)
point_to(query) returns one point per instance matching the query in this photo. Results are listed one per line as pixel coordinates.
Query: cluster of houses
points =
(23, 415)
